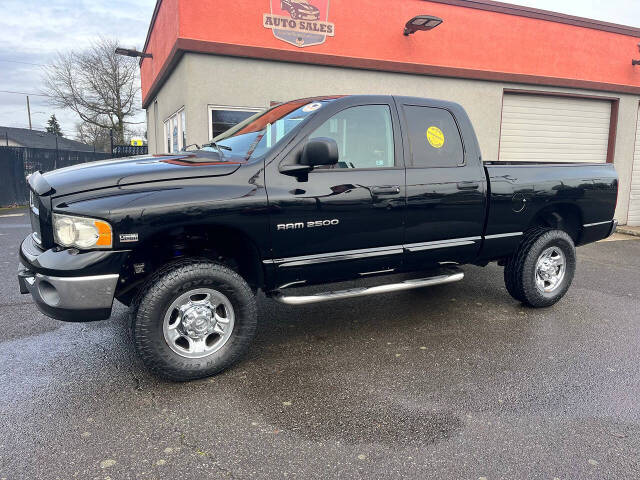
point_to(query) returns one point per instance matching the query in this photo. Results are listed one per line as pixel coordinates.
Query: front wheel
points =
(194, 319)
(541, 271)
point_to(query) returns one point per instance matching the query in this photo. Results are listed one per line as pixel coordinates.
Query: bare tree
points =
(91, 134)
(100, 86)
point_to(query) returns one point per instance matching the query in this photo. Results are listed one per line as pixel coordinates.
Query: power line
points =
(25, 93)
(18, 110)
(23, 63)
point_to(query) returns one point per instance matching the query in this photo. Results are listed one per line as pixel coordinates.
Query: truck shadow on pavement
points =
(370, 370)
(398, 369)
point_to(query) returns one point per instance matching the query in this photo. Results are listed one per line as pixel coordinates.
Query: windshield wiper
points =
(185, 148)
(218, 147)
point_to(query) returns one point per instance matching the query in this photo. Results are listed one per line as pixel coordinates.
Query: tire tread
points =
(515, 274)
(152, 294)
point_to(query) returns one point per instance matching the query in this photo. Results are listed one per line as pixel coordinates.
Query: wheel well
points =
(222, 244)
(564, 217)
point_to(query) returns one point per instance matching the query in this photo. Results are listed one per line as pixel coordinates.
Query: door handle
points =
(468, 185)
(386, 190)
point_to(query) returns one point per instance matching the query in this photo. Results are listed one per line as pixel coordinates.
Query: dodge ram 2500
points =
(309, 192)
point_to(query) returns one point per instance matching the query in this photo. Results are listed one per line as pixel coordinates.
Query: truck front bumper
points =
(74, 299)
(68, 285)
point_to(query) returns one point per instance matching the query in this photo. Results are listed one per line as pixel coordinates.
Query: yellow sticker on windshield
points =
(435, 137)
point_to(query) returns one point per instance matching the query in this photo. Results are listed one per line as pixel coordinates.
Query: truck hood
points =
(136, 170)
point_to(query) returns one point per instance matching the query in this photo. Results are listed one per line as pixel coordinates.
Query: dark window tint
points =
(364, 136)
(433, 136)
(223, 120)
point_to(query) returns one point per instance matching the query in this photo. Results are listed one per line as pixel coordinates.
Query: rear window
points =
(433, 137)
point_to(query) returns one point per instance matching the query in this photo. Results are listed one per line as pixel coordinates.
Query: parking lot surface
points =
(453, 382)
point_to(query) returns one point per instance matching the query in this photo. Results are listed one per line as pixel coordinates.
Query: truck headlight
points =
(81, 232)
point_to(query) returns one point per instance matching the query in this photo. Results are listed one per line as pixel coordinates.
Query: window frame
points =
(178, 116)
(211, 107)
(398, 159)
(409, 163)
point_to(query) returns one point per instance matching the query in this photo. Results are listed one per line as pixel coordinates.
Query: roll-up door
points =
(633, 219)
(541, 128)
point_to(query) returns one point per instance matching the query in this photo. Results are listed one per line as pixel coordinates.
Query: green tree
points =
(53, 126)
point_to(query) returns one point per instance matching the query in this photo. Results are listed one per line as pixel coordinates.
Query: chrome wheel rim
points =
(550, 269)
(198, 323)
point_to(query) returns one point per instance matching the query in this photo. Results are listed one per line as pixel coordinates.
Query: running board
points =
(360, 292)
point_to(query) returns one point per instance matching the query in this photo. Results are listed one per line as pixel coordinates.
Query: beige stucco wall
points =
(625, 143)
(200, 80)
(171, 98)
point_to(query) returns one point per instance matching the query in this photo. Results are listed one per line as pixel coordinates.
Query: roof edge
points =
(539, 14)
(493, 6)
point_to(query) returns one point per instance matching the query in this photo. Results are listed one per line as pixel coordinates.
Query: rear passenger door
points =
(445, 185)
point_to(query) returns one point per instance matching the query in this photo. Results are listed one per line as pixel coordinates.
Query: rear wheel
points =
(194, 319)
(541, 271)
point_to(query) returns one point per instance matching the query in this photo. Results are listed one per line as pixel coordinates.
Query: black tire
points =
(520, 269)
(511, 276)
(510, 281)
(152, 303)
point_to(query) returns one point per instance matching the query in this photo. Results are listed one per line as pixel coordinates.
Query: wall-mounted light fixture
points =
(129, 52)
(636, 62)
(421, 22)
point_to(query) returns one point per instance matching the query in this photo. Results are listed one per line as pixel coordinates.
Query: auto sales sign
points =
(299, 22)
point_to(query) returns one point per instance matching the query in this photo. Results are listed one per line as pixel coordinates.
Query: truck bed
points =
(519, 192)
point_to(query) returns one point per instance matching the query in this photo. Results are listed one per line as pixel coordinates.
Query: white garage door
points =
(634, 202)
(540, 128)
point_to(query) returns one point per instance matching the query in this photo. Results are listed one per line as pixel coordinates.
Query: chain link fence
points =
(129, 150)
(18, 162)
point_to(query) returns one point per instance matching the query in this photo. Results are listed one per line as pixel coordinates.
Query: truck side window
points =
(364, 135)
(433, 136)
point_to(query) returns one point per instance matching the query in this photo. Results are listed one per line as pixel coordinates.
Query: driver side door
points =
(345, 221)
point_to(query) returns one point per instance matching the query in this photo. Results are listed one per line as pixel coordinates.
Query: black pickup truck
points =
(313, 191)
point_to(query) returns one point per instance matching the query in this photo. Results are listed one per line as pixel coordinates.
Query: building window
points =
(222, 118)
(175, 132)
(183, 123)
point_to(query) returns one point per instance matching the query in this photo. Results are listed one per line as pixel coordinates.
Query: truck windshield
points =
(259, 133)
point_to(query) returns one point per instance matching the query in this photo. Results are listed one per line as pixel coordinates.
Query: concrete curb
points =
(635, 231)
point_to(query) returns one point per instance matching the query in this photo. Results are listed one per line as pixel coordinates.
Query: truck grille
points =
(34, 213)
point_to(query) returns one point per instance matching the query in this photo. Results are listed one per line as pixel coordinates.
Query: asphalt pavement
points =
(457, 381)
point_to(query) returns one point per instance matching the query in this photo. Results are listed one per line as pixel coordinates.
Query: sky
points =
(33, 31)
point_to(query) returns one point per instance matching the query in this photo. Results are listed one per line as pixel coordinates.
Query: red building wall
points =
(470, 43)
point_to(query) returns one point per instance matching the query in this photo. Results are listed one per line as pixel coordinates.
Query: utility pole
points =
(29, 112)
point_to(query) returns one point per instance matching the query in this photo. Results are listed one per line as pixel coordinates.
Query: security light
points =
(129, 52)
(421, 22)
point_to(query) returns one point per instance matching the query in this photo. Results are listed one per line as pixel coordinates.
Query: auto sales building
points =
(538, 85)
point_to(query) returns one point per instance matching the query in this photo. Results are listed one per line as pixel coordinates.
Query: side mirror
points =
(320, 151)
(316, 152)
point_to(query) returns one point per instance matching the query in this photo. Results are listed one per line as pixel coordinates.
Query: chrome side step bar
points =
(360, 292)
